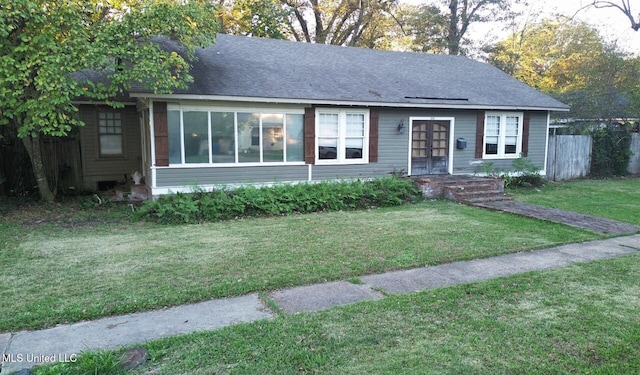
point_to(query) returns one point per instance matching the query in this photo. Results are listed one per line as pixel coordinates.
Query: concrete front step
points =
(474, 190)
(460, 188)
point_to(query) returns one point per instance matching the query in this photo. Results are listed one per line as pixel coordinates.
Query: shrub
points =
(611, 152)
(526, 174)
(225, 204)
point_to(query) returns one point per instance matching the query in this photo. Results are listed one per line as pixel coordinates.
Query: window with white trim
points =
(110, 133)
(502, 135)
(342, 136)
(243, 137)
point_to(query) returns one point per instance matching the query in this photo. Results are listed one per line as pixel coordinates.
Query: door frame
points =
(451, 120)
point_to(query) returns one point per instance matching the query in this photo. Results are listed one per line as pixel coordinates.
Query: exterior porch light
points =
(401, 127)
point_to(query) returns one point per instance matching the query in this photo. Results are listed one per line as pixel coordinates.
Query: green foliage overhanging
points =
(54, 52)
(226, 204)
(611, 151)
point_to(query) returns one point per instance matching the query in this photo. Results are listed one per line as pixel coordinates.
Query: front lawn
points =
(62, 271)
(577, 320)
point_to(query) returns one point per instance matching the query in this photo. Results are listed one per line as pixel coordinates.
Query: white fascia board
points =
(256, 99)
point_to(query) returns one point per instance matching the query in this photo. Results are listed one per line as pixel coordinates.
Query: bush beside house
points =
(224, 204)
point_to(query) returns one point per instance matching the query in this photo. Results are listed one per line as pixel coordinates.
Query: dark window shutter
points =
(480, 134)
(525, 133)
(161, 133)
(373, 136)
(310, 135)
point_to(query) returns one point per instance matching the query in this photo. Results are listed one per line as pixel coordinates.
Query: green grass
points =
(615, 199)
(62, 273)
(581, 319)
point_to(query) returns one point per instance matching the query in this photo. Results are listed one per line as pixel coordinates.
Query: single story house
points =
(263, 111)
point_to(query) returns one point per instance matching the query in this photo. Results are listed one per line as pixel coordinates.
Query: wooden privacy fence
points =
(62, 162)
(634, 163)
(569, 157)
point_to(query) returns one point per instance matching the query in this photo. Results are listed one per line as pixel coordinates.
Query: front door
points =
(430, 147)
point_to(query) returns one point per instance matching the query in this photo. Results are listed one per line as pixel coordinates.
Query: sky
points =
(612, 23)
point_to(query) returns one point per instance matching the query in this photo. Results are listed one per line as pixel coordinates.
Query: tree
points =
(463, 12)
(570, 61)
(260, 18)
(550, 55)
(441, 26)
(56, 51)
(339, 22)
(610, 89)
(625, 7)
(428, 26)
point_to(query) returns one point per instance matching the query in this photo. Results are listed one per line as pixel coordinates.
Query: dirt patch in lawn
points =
(69, 213)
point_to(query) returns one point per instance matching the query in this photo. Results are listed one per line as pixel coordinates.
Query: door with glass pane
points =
(429, 147)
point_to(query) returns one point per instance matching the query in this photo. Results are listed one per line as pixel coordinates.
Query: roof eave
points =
(353, 103)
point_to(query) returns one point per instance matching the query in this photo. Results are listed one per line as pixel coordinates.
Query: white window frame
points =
(235, 110)
(502, 136)
(342, 136)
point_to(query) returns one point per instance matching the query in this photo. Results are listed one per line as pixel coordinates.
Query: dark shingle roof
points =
(237, 66)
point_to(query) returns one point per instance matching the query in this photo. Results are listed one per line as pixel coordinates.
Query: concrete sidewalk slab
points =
(322, 296)
(596, 250)
(476, 270)
(5, 339)
(440, 276)
(28, 348)
(407, 281)
(539, 260)
(629, 241)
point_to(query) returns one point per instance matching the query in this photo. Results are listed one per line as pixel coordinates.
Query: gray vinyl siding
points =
(538, 139)
(393, 155)
(181, 177)
(395, 146)
(465, 127)
(96, 168)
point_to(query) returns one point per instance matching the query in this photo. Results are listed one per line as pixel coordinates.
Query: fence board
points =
(569, 157)
(634, 163)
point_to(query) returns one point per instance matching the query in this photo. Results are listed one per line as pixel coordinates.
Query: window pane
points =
(355, 125)
(492, 126)
(354, 148)
(223, 147)
(247, 122)
(295, 138)
(328, 136)
(110, 144)
(328, 125)
(327, 148)
(512, 123)
(491, 145)
(175, 147)
(272, 137)
(510, 145)
(196, 137)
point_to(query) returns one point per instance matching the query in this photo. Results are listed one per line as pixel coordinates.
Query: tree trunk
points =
(453, 37)
(35, 155)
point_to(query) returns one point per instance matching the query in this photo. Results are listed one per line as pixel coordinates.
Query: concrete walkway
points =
(63, 343)
(574, 219)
